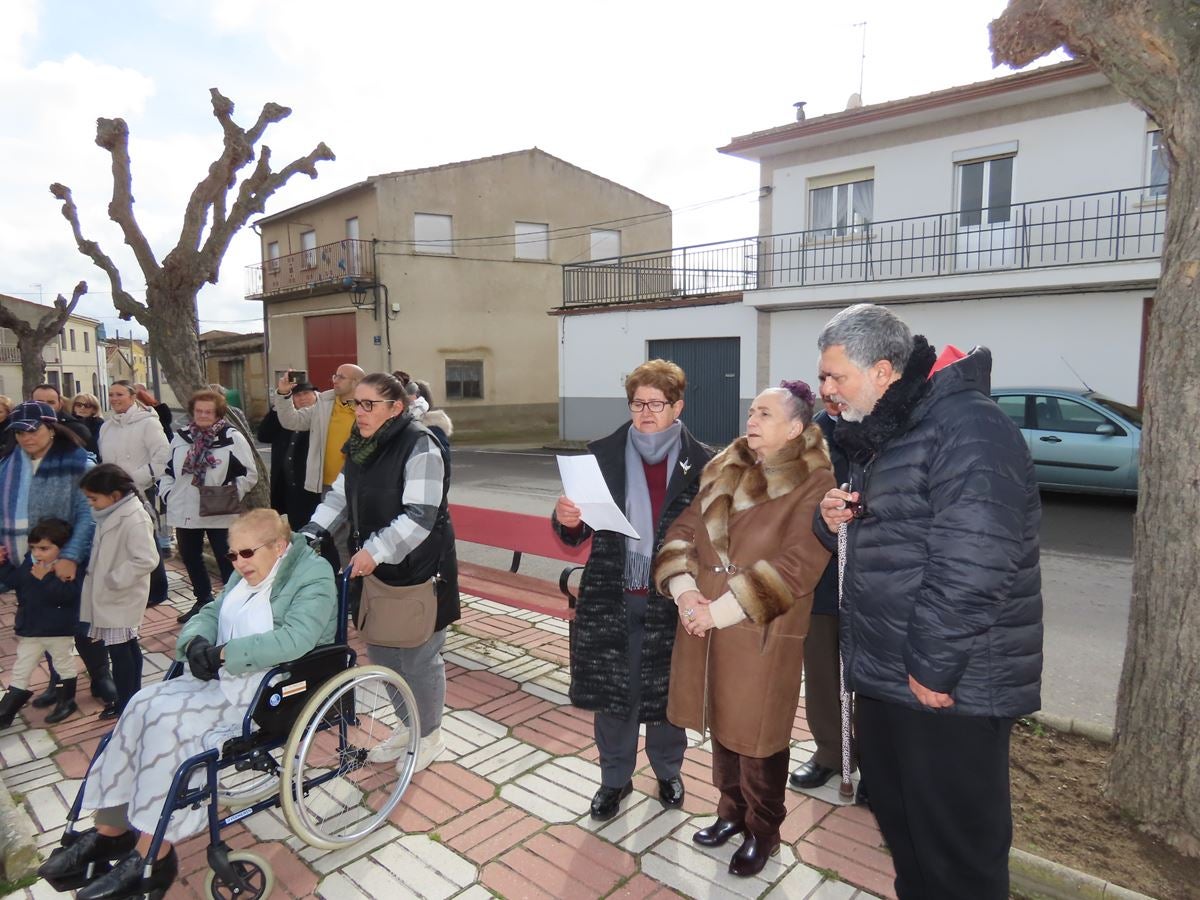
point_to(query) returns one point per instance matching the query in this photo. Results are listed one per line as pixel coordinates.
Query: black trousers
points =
(617, 738)
(939, 790)
(126, 670)
(191, 550)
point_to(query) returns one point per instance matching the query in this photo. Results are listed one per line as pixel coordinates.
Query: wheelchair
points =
(303, 747)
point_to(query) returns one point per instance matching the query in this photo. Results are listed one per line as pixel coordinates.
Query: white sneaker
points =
(432, 747)
(391, 749)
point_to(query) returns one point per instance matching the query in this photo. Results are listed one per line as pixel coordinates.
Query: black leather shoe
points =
(810, 775)
(109, 712)
(46, 698)
(125, 879)
(70, 862)
(670, 792)
(608, 800)
(191, 613)
(750, 858)
(718, 833)
(860, 795)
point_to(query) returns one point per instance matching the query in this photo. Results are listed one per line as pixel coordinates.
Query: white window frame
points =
(352, 228)
(843, 219)
(601, 240)
(273, 256)
(308, 246)
(433, 233)
(1156, 148)
(985, 214)
(532, 240)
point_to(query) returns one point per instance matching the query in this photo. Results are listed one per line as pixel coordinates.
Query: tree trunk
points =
(172, 326)
(33, 366)
(1155, 772)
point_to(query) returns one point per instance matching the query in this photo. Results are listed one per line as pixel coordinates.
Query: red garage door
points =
(329, 342)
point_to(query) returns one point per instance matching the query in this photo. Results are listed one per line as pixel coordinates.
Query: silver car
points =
(1080, 441)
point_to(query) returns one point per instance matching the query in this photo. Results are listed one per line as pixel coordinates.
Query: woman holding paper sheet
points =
(742, 562)
(624, 629)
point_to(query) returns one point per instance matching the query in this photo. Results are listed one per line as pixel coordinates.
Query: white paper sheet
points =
(586, 488)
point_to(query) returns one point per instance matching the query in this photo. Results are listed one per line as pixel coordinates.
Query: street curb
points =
(1091, 730)
(18, 846)
(1041, 879)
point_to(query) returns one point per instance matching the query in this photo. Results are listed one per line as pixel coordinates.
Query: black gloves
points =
(315, 535)
(203, 658)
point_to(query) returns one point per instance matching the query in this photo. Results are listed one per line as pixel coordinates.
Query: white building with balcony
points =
(1025, 213)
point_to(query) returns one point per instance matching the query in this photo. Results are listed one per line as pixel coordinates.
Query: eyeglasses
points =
(368, 405)
(337, 377)
(656, 406)
(85, 405)
(232, 555)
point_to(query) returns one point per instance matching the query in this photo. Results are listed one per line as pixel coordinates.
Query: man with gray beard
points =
(941, 618)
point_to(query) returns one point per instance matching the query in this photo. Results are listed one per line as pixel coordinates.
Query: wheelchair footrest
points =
(75, 881)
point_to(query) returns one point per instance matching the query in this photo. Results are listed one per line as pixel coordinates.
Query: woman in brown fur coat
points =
(741, 563)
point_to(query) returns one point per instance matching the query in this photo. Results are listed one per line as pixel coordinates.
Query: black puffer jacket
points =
(942, 575)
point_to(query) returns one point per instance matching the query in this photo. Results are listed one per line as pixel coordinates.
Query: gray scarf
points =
(639, 448)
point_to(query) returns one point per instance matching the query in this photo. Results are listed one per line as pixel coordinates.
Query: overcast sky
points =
(641, 93)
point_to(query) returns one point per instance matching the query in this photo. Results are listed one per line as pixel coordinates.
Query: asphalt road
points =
(1087, 570)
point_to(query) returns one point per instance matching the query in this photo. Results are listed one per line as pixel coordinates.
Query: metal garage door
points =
(712, 409)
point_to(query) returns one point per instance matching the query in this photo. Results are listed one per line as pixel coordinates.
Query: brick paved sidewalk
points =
(504, 810)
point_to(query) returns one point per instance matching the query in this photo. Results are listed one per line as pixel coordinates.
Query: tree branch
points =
(51, 322)
(253, 194)
(113, 136)
(126, 305)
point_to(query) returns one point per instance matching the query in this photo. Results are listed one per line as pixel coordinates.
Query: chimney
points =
(799, 110)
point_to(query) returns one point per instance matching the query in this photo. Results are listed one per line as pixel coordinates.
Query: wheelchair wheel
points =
(331, 792)
(254, 871)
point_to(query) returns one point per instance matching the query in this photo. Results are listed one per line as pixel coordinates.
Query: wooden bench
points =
(520, 533)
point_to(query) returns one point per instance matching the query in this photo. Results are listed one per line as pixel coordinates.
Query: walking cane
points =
(846, 790)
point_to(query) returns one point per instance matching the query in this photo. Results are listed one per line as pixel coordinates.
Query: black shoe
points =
(69, 863)
(718, 833)
(11, 704)
(670, 792)
(191, 613)
(810, 775)
(751, 857)
(607, 801)
(125, 879)
(109, 712)
(860, 795)
(46, 698)
(66, 703)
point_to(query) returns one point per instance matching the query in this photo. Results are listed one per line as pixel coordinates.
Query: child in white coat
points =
(124, 554)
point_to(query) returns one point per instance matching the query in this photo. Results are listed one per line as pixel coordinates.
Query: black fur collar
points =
(893, 413)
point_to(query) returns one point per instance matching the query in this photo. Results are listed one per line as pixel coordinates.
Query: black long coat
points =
(600, 641)
(289, 455)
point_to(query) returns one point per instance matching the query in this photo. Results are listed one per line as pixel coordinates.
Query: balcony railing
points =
(10, 353)
(327, 266)
(1113, 226)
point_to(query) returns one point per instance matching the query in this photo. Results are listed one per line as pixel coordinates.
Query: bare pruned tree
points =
(218, 208)
(32, 338)
(1150, 51)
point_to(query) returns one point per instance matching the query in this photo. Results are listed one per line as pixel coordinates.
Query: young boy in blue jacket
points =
(47, 616)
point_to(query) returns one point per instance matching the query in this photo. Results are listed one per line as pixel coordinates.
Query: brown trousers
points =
(752, 789)
(822, 690)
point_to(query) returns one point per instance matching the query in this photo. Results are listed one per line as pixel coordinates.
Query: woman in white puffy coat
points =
(207, 452)
(132, 438)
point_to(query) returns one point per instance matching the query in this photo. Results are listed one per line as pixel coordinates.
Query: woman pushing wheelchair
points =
(280, 604)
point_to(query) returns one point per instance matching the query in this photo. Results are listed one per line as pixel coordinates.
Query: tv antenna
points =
(862, 61)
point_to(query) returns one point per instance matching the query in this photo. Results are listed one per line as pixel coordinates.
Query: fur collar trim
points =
(893, 413)
(734, 480)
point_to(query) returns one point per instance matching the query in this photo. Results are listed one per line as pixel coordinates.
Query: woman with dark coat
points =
(742, 562)
(393, 490)
(624, 628)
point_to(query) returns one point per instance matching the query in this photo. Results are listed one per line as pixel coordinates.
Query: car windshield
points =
(1128, 413)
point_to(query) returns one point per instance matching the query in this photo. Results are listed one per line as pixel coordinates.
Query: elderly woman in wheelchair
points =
(280, 605)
